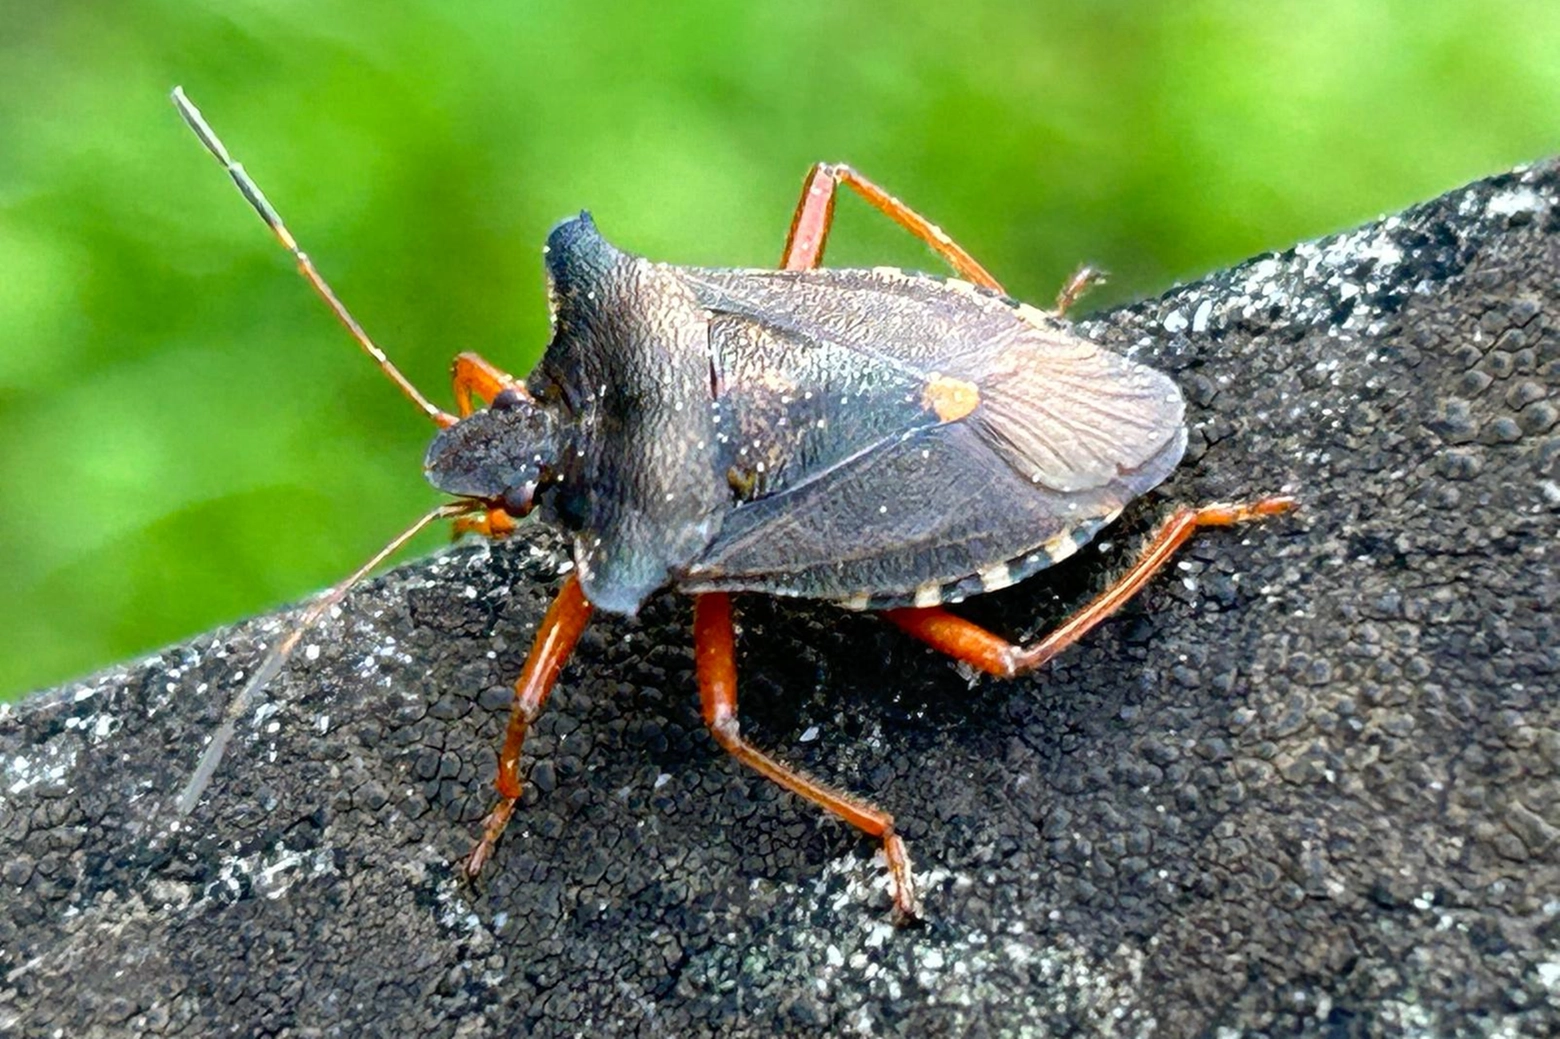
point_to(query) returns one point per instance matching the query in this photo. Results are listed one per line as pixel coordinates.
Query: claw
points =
(492, 827)
(907, 906)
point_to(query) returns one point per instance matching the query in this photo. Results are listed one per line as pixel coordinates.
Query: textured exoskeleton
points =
(879, 438)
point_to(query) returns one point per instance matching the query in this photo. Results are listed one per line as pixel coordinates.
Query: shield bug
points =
(792, 432)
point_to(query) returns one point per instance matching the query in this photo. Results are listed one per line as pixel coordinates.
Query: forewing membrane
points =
(1071, 416)
(1032, 430)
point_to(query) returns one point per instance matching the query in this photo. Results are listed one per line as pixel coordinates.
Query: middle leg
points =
(715, 659)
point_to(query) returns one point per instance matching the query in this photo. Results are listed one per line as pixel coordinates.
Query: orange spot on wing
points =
(950, 398)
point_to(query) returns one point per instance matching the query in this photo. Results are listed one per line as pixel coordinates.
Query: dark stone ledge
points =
(1307, 783)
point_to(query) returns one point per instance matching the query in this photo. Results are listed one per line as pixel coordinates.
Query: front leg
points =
(476, 376)
(555, 641)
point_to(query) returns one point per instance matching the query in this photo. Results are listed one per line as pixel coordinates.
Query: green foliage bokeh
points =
(188, 438)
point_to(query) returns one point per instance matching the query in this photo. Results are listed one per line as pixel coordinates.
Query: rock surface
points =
(1308, 783)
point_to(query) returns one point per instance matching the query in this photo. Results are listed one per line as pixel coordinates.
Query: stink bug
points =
(880, 439)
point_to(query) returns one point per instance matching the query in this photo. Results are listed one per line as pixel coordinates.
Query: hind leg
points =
(815, 213)
(978, 647)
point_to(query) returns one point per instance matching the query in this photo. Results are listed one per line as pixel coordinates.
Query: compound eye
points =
(507, 399)
(519, 501)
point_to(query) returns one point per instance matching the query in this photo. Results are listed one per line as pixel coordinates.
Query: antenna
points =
(256, 198)
(271, 665)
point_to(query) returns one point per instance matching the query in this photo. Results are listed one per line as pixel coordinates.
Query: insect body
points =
(884, 440)
(872, 437)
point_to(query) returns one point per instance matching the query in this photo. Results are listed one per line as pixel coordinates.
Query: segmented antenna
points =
(256, 198)
(273, 662)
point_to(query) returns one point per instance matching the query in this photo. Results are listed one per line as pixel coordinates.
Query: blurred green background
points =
(188, 437)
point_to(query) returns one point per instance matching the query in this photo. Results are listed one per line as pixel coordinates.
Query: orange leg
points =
(1083, 279)
(715, 656)
(493, 523)
(815, 212)
(978, 647)
(560, 631)
(475, 376)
